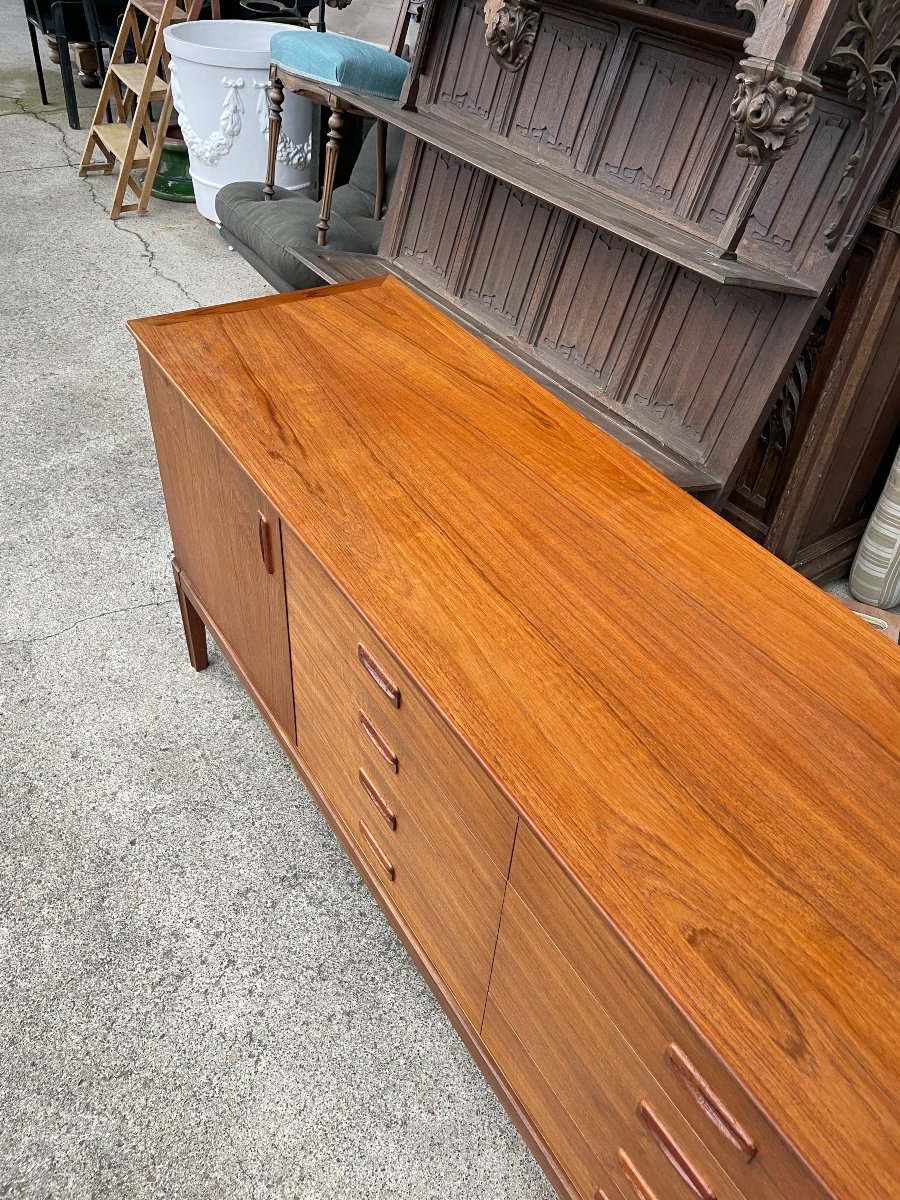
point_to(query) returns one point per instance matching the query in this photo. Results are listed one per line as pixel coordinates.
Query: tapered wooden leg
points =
(276, 100)
(332, 149)
(380, 158)
(194, 629)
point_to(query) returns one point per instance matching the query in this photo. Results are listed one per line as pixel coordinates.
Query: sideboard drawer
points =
(369, 683)
(391, 795)
(687, 1086)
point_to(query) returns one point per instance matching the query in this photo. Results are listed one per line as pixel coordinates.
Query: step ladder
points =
(130, 138)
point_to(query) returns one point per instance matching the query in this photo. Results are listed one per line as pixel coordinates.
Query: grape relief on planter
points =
(209, 150)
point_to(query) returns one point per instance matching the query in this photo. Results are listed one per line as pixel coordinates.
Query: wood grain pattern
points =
(459, 1020)
(747, 858)
(226, 541)
(440, 875)
(605, 1072)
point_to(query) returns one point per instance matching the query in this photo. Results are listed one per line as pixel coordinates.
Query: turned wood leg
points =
(380, 156)
(276, 100)
(332, 149)
(194, 629)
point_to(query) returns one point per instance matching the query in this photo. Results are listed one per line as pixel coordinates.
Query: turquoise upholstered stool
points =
(316, 65)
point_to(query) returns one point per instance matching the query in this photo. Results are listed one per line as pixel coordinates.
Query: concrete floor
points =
(198, 998)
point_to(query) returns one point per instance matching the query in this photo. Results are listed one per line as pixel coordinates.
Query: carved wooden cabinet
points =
(661, 915)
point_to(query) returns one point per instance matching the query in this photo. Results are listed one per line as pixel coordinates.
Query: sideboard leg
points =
(194, 629)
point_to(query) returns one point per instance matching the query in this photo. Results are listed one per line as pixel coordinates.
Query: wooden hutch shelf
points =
(582, 199)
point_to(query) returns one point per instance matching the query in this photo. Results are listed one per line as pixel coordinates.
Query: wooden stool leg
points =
(276, 100)
(380, 156)
(332, 149)
(194, 629)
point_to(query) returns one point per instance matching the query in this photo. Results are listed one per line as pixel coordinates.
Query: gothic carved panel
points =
(560, 88)
(512, 243)
(696, 363)
(795, 202)
(471, 82)
(597, 308)
(869, 47)
(435, 211)
(669, 111)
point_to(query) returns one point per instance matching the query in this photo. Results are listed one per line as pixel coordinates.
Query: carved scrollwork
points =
(869, 46)
(771, 108)
(510, 29)
(754, 7)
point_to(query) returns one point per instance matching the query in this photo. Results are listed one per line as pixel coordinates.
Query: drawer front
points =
(426, 856)
(587, 1176)
(692, 1097)
(430, 761)
(618, 1108)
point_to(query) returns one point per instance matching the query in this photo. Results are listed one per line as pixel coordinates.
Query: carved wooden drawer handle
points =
(265, 543)
(379, 743)
(382, 680)
(380, 857)
(635, 1178)
(383, 811)
(674, 1153)
(710, 1103)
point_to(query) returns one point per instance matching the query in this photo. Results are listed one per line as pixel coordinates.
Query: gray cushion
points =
(273, 230)
(270, 228)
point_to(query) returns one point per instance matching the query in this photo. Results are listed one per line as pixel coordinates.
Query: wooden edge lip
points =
(136, 325)
(674, 1153)
(710, 1103)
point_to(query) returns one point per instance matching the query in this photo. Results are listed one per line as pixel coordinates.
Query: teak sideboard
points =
(521, 673)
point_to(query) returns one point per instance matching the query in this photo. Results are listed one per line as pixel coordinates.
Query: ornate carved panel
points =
(437, 205)
(670, 106)
(794, 205)
(471, 82)
(598, 307)
(697, 362)
(869, 47)
(506, 258)
(560, 87)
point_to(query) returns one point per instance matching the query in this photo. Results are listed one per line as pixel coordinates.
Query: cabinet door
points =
(227, 541)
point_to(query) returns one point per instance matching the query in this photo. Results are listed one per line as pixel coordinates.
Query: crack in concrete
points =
(110, 612)
(148, 254)
(73, 159)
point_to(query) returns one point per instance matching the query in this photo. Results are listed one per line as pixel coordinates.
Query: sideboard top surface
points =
(601, 641)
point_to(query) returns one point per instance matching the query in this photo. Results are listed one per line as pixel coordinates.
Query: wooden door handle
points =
(379, 742)
(640, 1185)
(709, 1102)
(265, 543)
(674, 1153)
(381, 678)
(381, 807)
(380, 857)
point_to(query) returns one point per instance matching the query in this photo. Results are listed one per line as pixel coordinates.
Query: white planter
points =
(220, 80)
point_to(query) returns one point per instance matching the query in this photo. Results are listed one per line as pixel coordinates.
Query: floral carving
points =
(510, 28)
(770, 110)
(869, 46)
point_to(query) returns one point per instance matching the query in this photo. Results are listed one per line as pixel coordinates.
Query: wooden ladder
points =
(130, 138)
